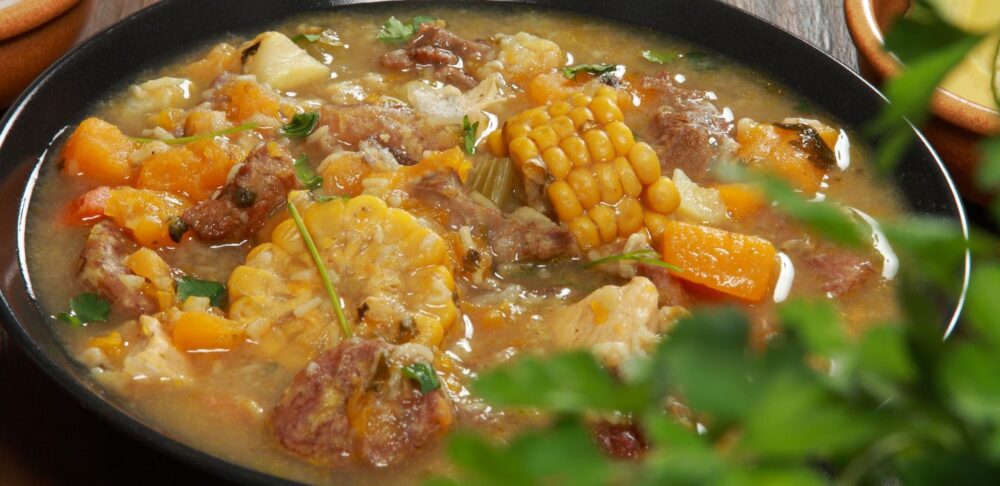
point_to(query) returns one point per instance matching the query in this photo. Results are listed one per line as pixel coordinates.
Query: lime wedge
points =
(974, 15)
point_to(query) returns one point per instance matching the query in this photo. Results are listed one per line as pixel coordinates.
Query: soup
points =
(296, 250)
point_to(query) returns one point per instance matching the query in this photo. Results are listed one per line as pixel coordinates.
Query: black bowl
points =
(65, 93)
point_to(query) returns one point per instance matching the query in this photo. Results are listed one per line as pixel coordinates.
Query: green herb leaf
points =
(988, 175)
(394, 31)
(86, 308)
(324, 275)
(819, 324)
(190, 286)
(809, 141)
(424, 375)
(306, 174)
(306, 37)
(660, 57)
(701, 61)
(469, 135)
(597, 69)
(203, 136)
(648, 257)
(301, 125)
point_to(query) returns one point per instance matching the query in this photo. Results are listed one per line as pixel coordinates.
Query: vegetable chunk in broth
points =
(297, 249)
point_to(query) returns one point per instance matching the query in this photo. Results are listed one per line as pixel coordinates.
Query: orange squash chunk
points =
(111, 344)
(740, 199)
(344, 175)
(147, 214)
(194, 171)
(99, 151)
(769, 148)
(201, 331)
(247, 98)
(732, 263)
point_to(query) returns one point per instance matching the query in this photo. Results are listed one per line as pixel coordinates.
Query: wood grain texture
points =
(47, 438)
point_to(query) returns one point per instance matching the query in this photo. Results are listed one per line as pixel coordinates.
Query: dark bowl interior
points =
(154, 36)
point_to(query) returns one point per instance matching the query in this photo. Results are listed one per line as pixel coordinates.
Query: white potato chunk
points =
(698, 204)
(282, 64)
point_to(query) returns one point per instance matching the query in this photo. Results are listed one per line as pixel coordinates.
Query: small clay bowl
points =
(33, 34)
(959, 124)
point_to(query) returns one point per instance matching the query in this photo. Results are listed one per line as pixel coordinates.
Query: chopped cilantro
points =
(86, 308)
(424, 375)
(301, 125)
(306, 174)
(571, 71)
(190, 286)
(469, 134)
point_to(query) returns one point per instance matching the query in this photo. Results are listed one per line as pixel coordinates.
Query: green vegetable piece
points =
(495, 179)
(394, 31)
(190, 286)
(324, 275)
(202, 136)
(424, 375)
(660, 57)
(829, 219)
(301, 125)
(648, 257)
(310, 38)
(469, 135)
(598, 69)
(809, 141)
(86, 308)
(701, 61)
(306, 174)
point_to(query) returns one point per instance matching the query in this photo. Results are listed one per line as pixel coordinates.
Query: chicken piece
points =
(103, 270)
(241, 208)
(511, 238)
(391, 272)
(396, 127)
(615, 322)
(154, 357)
(353, 403)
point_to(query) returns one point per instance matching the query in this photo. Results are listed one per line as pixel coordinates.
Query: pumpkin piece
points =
(344, 174)
(194, 171)
(740, 199)
(202, 331)
(147, 214)
(245, 98)
(771, 149)
(111, 344)
(99, 151)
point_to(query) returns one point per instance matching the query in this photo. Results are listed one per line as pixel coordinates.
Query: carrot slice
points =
(88, 207)
(733, 263)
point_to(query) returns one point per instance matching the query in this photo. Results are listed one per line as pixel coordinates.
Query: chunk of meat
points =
(620, 440)
(615, 322)
(245, 202)
(396, 127)
(841, 270)
(354, 404)
(510, 238)
(103, 270)
(435, 46)
(690, 132)
(670, 290)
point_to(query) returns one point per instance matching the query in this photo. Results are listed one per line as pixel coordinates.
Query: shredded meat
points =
(243, 205)
(102, 269)
(353, 404)
(620, 440)
(510, 238)
(841, 269)
(689, 131)
(395, 127)
(435, 46)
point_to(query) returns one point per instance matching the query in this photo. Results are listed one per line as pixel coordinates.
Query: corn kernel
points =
(630, 217)
(564, 201)
(559, 108)
(645, 163)
(604, 217)
(538, 116)
(513, 131)
(656, 223)
(605, 110)
(608, 91)
(557, 162)
(544, 136)
(522, 149)
(576, 150)
(585, 187)
(599, 145)
(662, 196)
(630, 183)
(582, 117)
(608, 183)
(579, 100)
(585, 231)
(563, 126)
(621, 137)
(496, 143)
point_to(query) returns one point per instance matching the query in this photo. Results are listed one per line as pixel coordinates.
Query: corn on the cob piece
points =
(391, 272)
(601, 182)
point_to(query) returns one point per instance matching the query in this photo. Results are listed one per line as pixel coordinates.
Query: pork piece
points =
(670, 290)
(510, 238)
(353, 404)
(259, 186)
(398, 128)
(103, 270)
(435, 46)
(841, 270)
(689, 131)
(615, 322)
(620, 440)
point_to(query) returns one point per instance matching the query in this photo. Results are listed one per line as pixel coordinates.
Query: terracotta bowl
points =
(959, 124)
(33, 34)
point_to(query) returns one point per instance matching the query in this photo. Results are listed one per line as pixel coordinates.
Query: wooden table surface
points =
(47, 438)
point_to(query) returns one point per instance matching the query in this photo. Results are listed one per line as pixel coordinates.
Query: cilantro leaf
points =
(306, 37)
(306, 174)
(301, 125)
(828, 219)
(598, 69)
(469, 135)
(394, 31)
(190, 286)
(660, 57)
(817, 322)
(701, 61)
(86, 308)
(424, 375)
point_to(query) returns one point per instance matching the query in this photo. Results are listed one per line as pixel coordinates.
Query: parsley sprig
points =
(84, 309)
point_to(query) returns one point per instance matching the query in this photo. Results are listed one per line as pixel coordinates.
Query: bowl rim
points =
(862, 24)
(30, 14)
(161, 441)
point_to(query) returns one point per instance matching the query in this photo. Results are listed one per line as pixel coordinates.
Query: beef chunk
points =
(841, 270)
(689, 131)
(672, 292)
(259, 187)
(102, 269)
(396, 127)
(353, 404)
(435, 46)
(620, 440)
(510, 238)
